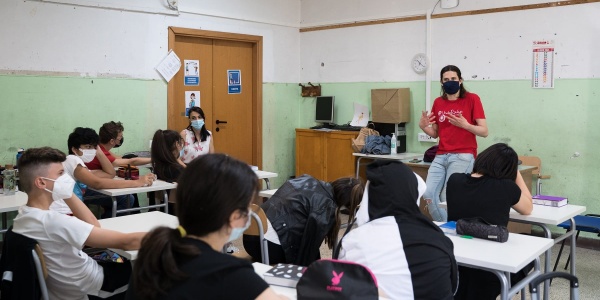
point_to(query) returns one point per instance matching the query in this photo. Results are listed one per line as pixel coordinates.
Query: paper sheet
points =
(169, 66)
(361, 115)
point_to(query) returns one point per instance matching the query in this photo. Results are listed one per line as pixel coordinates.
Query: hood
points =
(392, 189)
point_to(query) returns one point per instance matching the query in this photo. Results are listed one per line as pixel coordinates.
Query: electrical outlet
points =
(424, 137)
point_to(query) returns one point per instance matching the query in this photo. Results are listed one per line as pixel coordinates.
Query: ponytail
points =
(346, 192)
(155, 270)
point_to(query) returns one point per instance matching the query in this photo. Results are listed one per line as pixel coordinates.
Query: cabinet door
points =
(309, 153)
(339, 161)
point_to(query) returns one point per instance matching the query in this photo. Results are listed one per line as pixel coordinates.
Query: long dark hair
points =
(164, 143)
(348, 192)
(204, 205)
(452, 68)
(497, 161)
(204, 134)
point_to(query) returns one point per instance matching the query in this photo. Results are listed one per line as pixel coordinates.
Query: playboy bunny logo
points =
(336, 278)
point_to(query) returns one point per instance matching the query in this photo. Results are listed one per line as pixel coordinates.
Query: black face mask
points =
(451, 87)
(119, 145)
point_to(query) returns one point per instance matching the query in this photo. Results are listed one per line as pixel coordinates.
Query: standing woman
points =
(197, 139)
(186, 262)
(167, 146)
(456, 117)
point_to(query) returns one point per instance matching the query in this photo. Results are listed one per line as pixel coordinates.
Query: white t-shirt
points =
(72, 274)
(69, 165)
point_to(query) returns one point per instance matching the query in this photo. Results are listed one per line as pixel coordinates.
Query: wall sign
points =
(543, 64)
(234, 81)
(191, 72)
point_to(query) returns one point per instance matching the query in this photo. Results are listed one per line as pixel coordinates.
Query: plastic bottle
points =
(9, 183)
(393, 144)
(19, 153)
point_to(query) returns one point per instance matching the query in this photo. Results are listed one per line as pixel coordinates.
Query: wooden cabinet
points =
(325, 155)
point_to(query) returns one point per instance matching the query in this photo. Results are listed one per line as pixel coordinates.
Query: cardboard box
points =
(390, 105)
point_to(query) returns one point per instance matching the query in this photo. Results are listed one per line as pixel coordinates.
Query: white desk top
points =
(12, 202)
(398, 156)
(542, 214)
(158, 185)
(265, 174)
(142, 222)
(511, 256)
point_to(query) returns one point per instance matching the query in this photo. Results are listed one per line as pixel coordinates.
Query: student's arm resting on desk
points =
(270, 294)
(104, 238)
(108, 170)
(82, 174)
(525, 204)
(136, 161)
(81, 211)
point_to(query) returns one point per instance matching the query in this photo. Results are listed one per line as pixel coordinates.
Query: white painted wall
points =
(486, 47)
(40, 37)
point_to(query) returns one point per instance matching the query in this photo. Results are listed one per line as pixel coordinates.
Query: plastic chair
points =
(258, 227)
(537, 173)
(23, 275)
(574, 284)
(587, 223)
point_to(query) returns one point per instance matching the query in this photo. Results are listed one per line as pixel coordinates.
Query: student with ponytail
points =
(186, 262)
(166, 149)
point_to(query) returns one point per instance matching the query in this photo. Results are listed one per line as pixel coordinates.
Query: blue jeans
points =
(441, 168)
(106, 202)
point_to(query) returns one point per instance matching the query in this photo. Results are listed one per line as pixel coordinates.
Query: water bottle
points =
(393, 144)
(9, 183)
(19, 153)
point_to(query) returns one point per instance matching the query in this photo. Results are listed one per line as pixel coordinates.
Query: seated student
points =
(167, 146)
(72, 274)
(489, 192)
(82, 144)
(187, 262)
(198, 140)
(409, 255)
(301, 214)
(111, 136)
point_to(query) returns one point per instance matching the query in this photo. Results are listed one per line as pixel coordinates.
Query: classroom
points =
(69, 63)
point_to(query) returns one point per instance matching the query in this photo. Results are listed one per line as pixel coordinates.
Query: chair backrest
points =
(22, 268)
(532, 161)
(253, 229)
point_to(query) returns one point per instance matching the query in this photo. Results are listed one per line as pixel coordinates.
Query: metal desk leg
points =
(268, 183)
(358, 165)
(114, 208)
(504, 284)
(166, 201)
(573, 241)
(547, 258)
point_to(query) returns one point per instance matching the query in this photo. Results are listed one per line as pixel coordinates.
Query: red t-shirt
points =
(95, 163)
(454, 139)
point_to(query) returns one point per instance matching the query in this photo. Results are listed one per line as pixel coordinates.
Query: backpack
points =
(430, 154)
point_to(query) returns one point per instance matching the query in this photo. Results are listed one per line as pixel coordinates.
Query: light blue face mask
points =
(236, 232)
(197, 124)
(181, 153)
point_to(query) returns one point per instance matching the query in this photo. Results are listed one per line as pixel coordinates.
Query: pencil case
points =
(480, 228)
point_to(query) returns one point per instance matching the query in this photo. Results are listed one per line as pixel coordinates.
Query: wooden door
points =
(217, 52)
(235, 109)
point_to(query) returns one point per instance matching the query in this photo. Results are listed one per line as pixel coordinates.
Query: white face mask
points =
(236, 232)
(88, 155)
(63, 187)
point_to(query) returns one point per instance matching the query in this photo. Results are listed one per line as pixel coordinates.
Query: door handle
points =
(221, 122)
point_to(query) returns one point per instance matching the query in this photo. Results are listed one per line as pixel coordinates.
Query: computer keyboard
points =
(347, 127)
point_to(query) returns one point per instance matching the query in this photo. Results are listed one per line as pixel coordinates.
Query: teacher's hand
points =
(426, 119)
(458, 120)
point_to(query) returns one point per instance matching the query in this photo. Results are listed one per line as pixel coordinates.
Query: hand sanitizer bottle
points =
(393, 144)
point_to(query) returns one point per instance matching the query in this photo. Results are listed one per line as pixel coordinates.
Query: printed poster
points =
(234, 81)
(169, 66)
(543, 64)
(191, 74)
(192, 98)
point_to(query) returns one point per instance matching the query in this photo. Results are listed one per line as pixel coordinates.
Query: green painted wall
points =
(550, 123)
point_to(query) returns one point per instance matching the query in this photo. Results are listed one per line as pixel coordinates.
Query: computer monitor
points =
(324, 109)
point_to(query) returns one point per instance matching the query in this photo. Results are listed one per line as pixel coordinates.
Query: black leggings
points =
(252, 246)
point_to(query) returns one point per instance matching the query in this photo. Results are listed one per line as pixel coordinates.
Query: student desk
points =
(502, 258)
(398, 156)
(142, 222)
(157, 185)
(10, 203)
(546, 215)
(264, 175)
